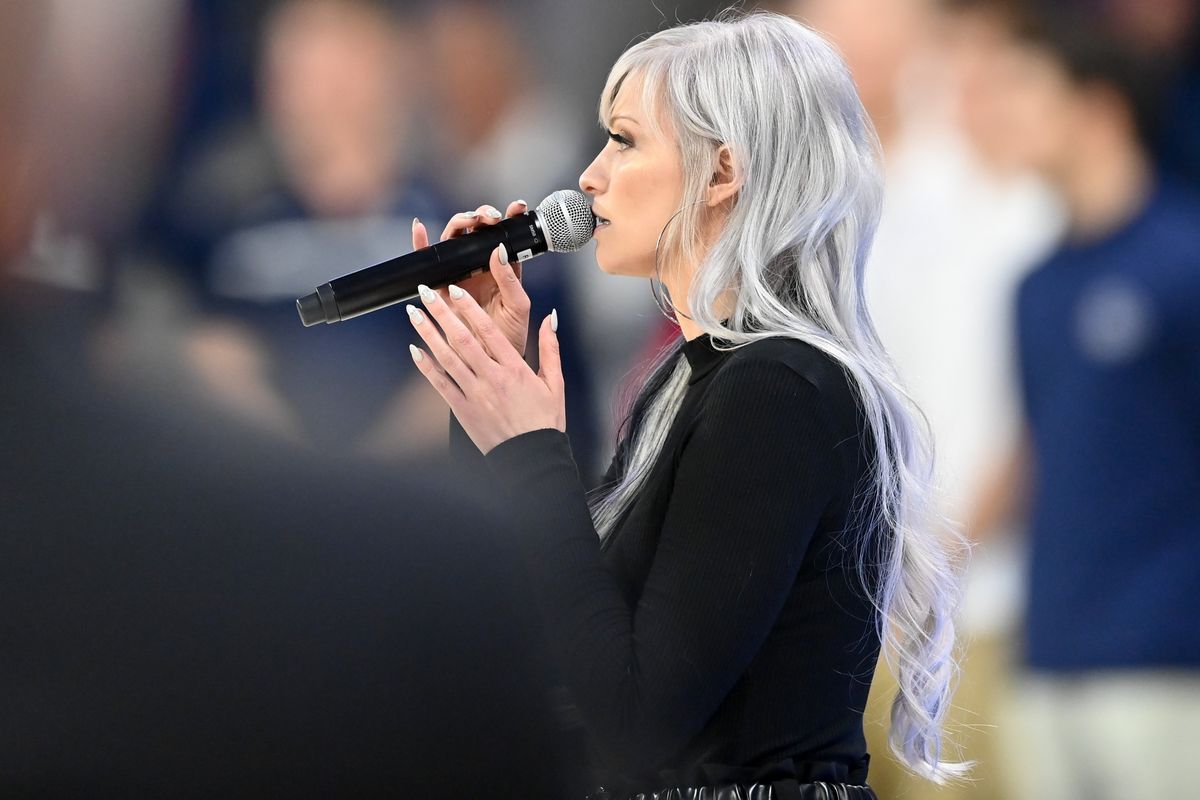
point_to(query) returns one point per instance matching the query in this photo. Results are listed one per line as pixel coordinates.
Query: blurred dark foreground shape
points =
(193, 611)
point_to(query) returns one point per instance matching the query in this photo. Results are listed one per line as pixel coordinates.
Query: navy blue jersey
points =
(1109, 340)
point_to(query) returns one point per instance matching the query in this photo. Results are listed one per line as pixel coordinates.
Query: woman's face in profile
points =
(636, 185)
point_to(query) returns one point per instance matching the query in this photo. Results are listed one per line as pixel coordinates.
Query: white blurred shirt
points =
(953, 243)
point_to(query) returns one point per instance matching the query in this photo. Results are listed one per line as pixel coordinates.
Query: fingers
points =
(467, 221)
(514, 208)
(459, 224)
(437, 377)
(420, 236)
(550, 359)
(456, 346)
(493, 339)
(508, 281)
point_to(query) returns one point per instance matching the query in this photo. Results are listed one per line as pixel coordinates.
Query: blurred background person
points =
(1108, 350)
(194, 609)
(89, 113)
(958, 230)
(336, 94)
(20, 44)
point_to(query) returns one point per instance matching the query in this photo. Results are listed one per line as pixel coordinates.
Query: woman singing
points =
(719, 602)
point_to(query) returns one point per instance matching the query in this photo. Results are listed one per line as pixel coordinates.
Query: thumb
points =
(549, 358)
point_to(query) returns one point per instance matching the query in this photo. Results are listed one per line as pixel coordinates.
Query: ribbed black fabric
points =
(723, 621)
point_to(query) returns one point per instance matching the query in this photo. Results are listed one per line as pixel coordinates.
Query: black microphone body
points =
(397, 279)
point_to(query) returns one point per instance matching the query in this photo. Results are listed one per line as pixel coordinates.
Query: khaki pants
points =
(1133, 735)
(1129, 735)
(972, 731)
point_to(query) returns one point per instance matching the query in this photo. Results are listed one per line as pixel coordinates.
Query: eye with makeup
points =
(619, 139)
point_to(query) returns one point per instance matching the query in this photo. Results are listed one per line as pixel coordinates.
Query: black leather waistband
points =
(786, 779)
(780, 790)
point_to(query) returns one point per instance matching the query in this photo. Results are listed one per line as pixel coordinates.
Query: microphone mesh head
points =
(567, 220)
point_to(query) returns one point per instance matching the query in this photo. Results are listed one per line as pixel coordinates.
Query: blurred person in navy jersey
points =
(336, 99)
(1109, 358)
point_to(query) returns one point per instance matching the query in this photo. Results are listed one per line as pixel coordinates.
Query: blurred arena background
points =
(174, 173)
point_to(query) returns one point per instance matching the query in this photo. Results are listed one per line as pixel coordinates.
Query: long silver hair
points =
(792, 257)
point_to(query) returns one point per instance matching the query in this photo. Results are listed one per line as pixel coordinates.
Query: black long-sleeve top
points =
(722, 629)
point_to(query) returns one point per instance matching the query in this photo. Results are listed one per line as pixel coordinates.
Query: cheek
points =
(1046, 125)
(649, 193)
(643, 192)
(984, 118)
(641, 182)
(1011, 119)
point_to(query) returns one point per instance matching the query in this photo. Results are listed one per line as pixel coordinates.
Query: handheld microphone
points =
(561, 223)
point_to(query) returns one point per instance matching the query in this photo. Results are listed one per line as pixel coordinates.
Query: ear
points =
(725, 183)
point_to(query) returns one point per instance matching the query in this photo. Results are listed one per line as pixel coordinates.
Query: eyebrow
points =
(624, 116)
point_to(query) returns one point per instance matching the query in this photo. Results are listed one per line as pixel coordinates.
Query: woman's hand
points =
(497, 290)
(493, 393)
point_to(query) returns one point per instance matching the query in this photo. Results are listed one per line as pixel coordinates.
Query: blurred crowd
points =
(177, 172)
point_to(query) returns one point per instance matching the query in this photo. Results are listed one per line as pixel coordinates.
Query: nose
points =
(593, 179)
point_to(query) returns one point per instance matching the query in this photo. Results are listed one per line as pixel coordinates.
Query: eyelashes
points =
(619, 139)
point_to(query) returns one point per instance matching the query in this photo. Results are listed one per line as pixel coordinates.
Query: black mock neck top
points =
(721, 631)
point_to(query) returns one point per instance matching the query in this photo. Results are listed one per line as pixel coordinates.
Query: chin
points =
(629, 270)
(609, 267)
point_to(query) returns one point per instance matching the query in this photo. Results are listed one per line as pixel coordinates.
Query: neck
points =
(690, 329)
(679, 292)
(1104, 190)
(679, 280)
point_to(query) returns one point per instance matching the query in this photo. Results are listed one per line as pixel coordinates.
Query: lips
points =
(601, 222)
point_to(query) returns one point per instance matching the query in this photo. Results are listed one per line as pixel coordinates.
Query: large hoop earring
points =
(674, 312)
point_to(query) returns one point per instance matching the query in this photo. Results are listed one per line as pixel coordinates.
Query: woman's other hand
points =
(493, 393)
(497, 290)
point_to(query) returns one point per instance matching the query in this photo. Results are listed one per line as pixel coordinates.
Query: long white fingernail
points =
(456, 292)
(493, 213)
(554, 320)
(416, 222)
(416, 353)
(522, 202)
(415, 314)
(503, 253)
(427, 295)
